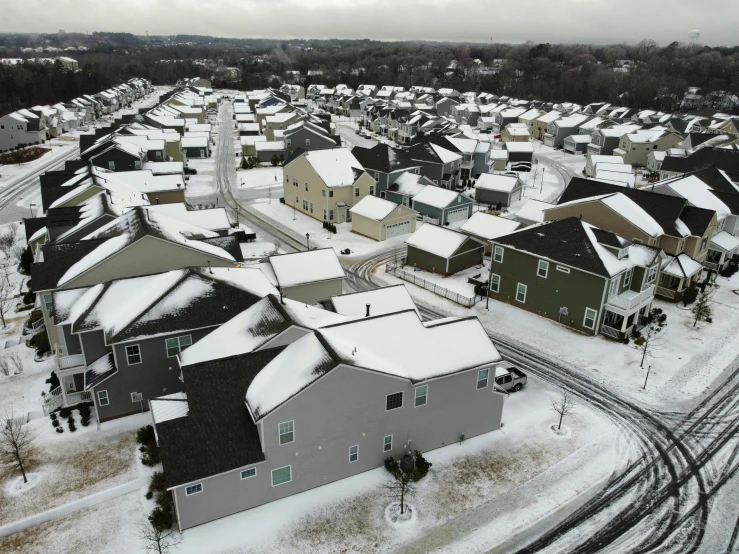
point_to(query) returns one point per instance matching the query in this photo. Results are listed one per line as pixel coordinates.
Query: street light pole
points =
(541, 187)
(490, 278)
(307, 238)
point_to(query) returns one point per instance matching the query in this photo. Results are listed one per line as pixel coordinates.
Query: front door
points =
(69, 385)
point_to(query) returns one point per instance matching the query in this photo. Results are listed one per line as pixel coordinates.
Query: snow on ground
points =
(710, 346)
(58, 148)
(257, 249)
(482, 472)
(281, 216)
(202, 184)
(259, 179)
(457, 282)
(573, 163)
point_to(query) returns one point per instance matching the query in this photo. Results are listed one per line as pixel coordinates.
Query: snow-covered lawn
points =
(457, 282)
(486, 471)
(58, 148)
(297, 225)
(203, 183)
(682, 367)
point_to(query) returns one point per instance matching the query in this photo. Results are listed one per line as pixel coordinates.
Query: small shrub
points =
(150, 456)
(626, 340)
(149, 495)
(55, 422)
(65, 412)
(72, 426)
(60, 429)
(690, 295)
(145, 435)
(422, 466)
(42, 343)
(29, 297)
(161, 519)
(53, 416)
(709, 320)
(639, 340)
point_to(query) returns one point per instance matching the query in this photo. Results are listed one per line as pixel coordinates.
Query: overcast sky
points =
(589, 21)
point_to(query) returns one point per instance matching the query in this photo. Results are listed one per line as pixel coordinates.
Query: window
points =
(193, 489)
(306, 187)
(421, 396)
(111, 165)
(324, 214)
(498, 254)
(287, 178)
(482, 378)
(405, 201)
(311, 207)
(307, 142)
(47, 301)
(330, 215)
(305, 205)
(295, 182)
(563, 269)
(521, 293)
(177, 344)
(372, 190)
(393, 401)
(589, 320)
(495, 282)
(704, 242)
(281, 475)
(137, 164)
(103, 399)
(330, 194)
(289, 142)
(323, 193)
(249, 473)
(353, 453)
(158, 155)
(652, 275)
(543, 269)
(287, 432)
(297, 200)
(133, 354)
(377, 176)
(387, 443)
(627, 277)
(356, 192)
(614, 286)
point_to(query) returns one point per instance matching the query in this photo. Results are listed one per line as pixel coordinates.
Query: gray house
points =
(444, 206)
(308, 137)
(294, 412)
(385, 164)
(560, 129)
(444, 106)
(498, 189)
(441, 250)
(405, 187)
(120, 340)
(21, 127)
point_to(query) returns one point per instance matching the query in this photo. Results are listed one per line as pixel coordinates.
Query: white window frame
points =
(128, 356)
(425, 396)
(614, 286)
(393, 394)
(651, 278)
(179, 345)
(244, 471)
(48, 301)
(111, 165)
(539, 268)
(272, 475)
(627, 276)
(495, 287)
(307, 142)
(103, 395)
(137, 164)
(291, 432)
(387, 447)
(190, 490)
(594, 318)
(525, 292)
(356, 453)
(498, 254)
(487, 379)
(563, 269)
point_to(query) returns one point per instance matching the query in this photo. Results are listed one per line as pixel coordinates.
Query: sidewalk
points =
(71, 507)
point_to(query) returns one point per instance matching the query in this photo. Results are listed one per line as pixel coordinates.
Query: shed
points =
(492, 189)
(520, 151)
(441, 250)
(380, 219)
(532, 212)
(308, 276)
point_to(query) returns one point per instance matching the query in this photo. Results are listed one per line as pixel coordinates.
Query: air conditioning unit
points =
(136, 397)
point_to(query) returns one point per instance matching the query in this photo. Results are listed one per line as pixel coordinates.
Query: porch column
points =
(64, 389)
(624, 320)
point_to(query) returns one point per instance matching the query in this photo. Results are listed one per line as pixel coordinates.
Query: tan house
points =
(380, 219)
(515, 132)
(326, 184)
(279, 122)
(310, 276)
(634, 148)
(538, 127)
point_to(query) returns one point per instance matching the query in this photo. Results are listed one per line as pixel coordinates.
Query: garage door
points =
(457, 215)
(396, 229)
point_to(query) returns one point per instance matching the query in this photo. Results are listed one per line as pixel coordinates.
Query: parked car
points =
(509, 378)
(190, 171)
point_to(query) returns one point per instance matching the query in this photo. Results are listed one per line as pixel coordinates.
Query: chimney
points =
(368, 311)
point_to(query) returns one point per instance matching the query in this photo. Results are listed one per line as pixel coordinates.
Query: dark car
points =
(190, 171)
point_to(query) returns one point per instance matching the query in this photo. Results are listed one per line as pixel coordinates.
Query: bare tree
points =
(564, 406)
(158, 541)
(703, 307)
(16, 360)
(7, 302)
(7, 241)
(400, 487)
(4, 366)
(16, 443)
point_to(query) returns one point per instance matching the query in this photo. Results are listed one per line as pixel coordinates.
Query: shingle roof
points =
(696, 219)
(728, 160)
(229, 243)
(383, 157)
(58, 258)
(218, 434)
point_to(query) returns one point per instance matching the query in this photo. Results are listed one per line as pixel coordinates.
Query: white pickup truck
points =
(509, 378)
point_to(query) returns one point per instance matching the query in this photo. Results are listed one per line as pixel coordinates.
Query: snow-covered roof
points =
(169, 407)
(374, 208)
(501, 183)
(626, 208)
(698, 194)
(681, 266)
(384, 300)
(446, 156)
(725, 241)
(488, 226)
(579, 139)
(533, 210)
(334, 166)
(617, 177)
(436, 196)
(397, 344)
(194, 142)
(213, 219)
(301, 268)
(269, 145)
(436, 240)
(519, 146)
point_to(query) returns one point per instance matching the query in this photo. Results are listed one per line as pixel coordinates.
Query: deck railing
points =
(460, 299)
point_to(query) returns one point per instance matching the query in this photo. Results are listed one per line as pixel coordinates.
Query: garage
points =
(395, 229)
(457, 215)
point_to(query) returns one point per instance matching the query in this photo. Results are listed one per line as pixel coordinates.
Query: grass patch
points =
(23, 155)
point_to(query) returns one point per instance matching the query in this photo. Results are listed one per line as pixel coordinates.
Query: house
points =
(635, 147)
(307, 136)
(505, 117)
(493, 189)
(532, 212)
(120, 156)
(360, 389)
(438, 163)
(385, 164)
(499, 159)
(720, 158)
(441, 250)
(381, 219)
(515, 132)
(444, 106)
(559, 129)
(119, 340)
(325, 184)
(385, 300)
(604, 141)
(593, 159)
(308, 276)
(486, 227)
(20, 128)
(267, 150)
(569, 271)
(660, 220)
(576, 144)
(520, 153)
(195, 147)
(538, 127)
(442, 206)
(405, 186)
(279, 122)
(248, 129)
(248, 144)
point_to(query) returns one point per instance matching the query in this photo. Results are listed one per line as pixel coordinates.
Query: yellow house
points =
(515, 132)
(634, 148)
(326, 184)
(380, 219)
(538, 126)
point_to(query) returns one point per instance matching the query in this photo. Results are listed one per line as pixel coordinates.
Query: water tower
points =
(694, 36)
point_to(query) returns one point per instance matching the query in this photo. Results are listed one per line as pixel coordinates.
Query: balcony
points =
(69, 362)
(629, 300)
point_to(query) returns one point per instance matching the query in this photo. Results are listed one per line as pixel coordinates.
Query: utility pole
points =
(645, 380)
(541, 187)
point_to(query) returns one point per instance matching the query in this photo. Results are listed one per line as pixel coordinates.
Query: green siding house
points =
(588, 279)
(441, 250)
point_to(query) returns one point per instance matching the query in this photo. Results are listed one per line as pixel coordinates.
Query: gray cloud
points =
(570, 21)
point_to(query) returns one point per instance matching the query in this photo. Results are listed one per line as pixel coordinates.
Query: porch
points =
(618, 326)
(678, 273)
(71, 373)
